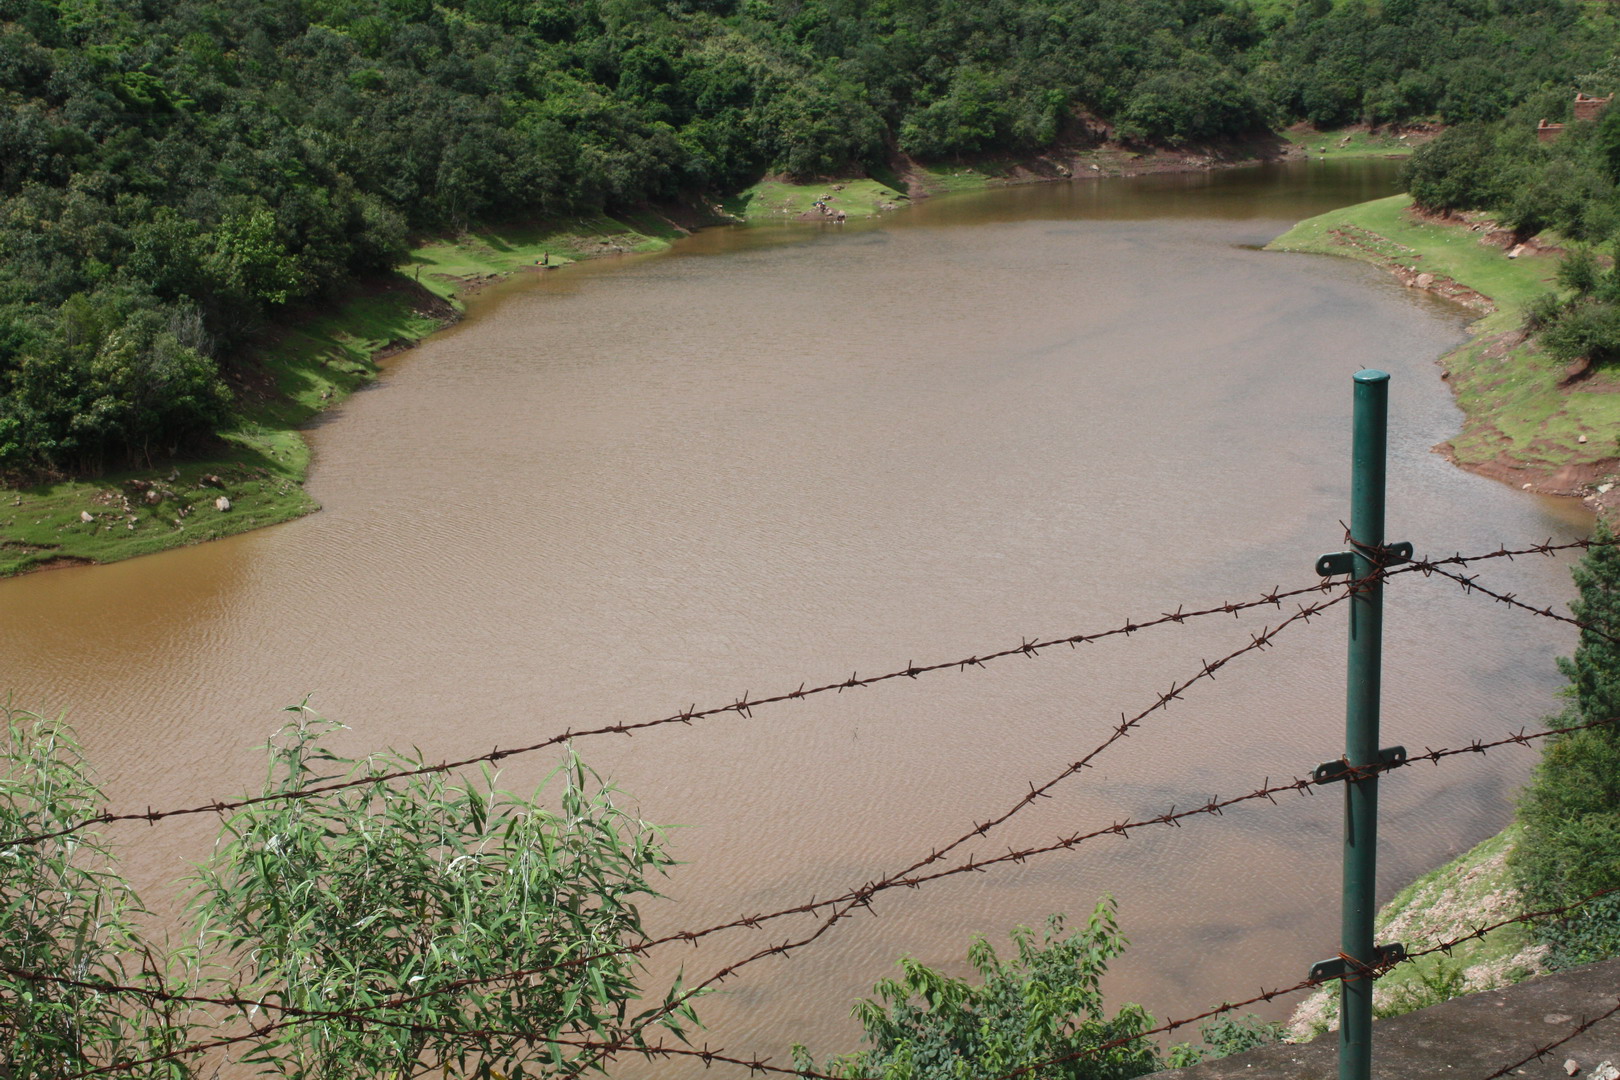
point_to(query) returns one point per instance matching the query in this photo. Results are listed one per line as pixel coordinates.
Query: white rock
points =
(1581, 439)
(222, 503)
(1603, 489)
(1516, 251)
(1605, 1071)
(1527, 487)
(1571, 1067)
(86, 517)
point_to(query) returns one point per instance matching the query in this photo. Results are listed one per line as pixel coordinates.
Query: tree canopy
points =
(173, 176)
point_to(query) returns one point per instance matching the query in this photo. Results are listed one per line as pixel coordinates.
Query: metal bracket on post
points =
(1330, 771)
(1342, 562)
(1386, 955)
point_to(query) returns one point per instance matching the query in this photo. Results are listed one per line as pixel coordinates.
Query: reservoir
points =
(777, 455)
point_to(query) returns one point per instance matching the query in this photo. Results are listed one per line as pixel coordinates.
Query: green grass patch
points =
(1520, 410)
(449, 266)
(949, 179)
(1400, 238)
(1474, 889)
(140, 512)
(776, 200)
(1348, 144)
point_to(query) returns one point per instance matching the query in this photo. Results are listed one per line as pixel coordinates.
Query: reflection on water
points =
(653, 481)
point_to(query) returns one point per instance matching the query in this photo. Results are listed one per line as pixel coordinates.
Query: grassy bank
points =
(1474, 889)
(1525, 420)
(451, 267)
(315, 360)
(889, 190)
(1351, 142)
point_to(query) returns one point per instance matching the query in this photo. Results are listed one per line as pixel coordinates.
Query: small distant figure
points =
(545, 259)
(838, 218)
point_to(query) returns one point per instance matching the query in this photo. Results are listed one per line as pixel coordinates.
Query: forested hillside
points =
(175, 172)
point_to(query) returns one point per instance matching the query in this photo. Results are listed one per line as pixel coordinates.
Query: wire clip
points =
(1343, 562)
(1331, 771)
(1342, 965)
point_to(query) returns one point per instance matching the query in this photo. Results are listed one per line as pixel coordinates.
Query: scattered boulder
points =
(1605, 1071)
(1515, 251)
(1423, 281)
(222, 504)
(1571, 1067)
(1581, 439)
(86, 516)
(153, 496)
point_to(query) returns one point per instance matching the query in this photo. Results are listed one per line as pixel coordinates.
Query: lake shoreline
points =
(320, 354)
(1527, 421)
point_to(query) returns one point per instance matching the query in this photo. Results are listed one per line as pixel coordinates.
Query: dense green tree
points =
(1571, 807)
(232, 160)
(1457, 171)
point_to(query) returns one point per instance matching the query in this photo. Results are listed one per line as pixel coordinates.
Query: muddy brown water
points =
(785, 454)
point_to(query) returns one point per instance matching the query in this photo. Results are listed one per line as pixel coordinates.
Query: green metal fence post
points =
(1367, 553)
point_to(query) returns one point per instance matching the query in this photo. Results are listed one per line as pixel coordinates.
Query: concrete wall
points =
(1468, 1038)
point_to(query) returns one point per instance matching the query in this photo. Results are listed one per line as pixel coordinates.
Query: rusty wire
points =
(366, 1016)
(743, 706)
(1471, 585)
(295, 1014)
(1543, 1051)
(1172, 818)
(861, 897)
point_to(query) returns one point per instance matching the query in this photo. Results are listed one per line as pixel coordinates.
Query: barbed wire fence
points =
(373, 1014)
(920, 872)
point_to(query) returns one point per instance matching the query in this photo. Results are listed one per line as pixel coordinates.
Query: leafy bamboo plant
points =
(65, 912)
(430, 924)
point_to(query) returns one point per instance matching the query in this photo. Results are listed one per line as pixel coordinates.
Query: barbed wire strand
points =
(1471, 585)
(1068, 842)
(1173, 816)
(361, 1017)
(743, 706)
(1356, 971)
(1543, 1051)
(863, 899)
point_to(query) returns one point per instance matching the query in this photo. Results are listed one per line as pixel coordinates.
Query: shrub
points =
(1045, 1004)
